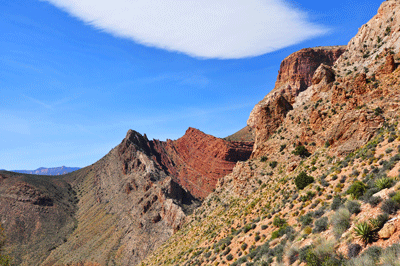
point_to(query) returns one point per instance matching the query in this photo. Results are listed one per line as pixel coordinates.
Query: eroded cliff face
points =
(295, 75)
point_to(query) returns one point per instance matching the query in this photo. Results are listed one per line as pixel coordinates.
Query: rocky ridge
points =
(120, 208)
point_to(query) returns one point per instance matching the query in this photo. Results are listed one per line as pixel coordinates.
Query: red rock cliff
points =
(198, 160)
(295, 75)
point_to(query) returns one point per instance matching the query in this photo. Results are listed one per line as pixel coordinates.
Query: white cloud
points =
(199, 28)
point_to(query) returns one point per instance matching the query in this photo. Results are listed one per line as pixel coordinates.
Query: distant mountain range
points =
(48, 171)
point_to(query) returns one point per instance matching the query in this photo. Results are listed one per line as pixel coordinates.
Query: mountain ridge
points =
(48, 170)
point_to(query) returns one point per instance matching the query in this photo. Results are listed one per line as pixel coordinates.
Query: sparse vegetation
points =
(303, 180)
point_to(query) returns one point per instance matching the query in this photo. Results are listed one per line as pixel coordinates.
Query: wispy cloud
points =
(206, 29)
(41, 103)
(53, 104)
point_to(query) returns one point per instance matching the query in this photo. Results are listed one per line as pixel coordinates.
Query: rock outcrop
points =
(295, 75)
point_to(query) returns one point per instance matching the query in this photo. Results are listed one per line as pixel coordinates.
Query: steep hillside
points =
(118, 210)
(322, 185)
(37, 213)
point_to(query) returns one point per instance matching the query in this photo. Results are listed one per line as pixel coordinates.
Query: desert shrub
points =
(391, 255)
(307, 230)
(263, 159)
(368, 194)
(293, 254)
(321, 253)
(373, 252)
(357, 189)
(273, 164)
(365, 232)
(303, 253)
(353, 207)
(283, 146)
(247, 228)
(207, 254)
(390, 206)
(320, 225)
(353, 250)
(396, 197)
(264, 226)
(301, 151)
(303, 180)
(383, 183)
(278, 222)
(336, 202)
(318, 213)
(378, 222)
(378, 111)
(363, 260)
(374, 201)
(306, 219)
(340, 221)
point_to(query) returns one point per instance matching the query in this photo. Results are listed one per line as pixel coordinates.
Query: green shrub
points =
(306, 219)
(391, 255)
(396, 197)
(383, 183)
(283, 146)
(273, 164)
(374, 201)
(365, 232)
(244, 246)
(373, 252)
(303, 180)
(301, 151)
(340, 221)
(378, 222)
(320, 225)
(353, 207)
(263, 159)
(357, 189)
(336, 202)
(293, 254)
(390, 206)
(378, 110)
(229, 257)
(278, 222)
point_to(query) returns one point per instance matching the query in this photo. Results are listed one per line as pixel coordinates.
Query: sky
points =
(76, 75)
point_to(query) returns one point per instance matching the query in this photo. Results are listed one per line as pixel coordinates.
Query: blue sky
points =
(76, 75)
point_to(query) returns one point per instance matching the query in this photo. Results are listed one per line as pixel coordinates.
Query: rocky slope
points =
(337, 123)
(116, 211)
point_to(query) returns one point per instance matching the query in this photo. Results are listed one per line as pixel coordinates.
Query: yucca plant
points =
(383, 183)
(365, 232)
